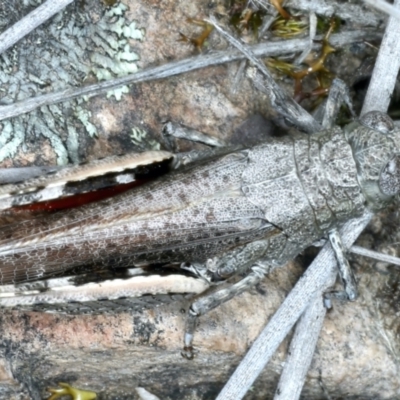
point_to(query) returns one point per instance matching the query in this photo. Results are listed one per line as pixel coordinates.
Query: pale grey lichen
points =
(143, 141)
(76, 45)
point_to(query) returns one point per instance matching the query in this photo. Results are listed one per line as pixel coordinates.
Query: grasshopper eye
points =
(378, 121)
(389, 180)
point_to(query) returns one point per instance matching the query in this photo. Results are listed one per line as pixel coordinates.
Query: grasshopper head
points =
(376, 147)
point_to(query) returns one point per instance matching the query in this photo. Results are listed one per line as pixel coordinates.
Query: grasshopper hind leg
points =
(207, 303)
(250, 258)
(213, 300)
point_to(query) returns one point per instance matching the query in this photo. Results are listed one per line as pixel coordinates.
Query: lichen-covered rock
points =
(84, 43)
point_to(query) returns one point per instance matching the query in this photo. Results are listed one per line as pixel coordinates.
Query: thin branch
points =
(281, 101)
(240, 74)
(301, 351)
(386, 7)
(30, 22)
(386, 68)
(269, 19)
(375, 255)
(348, 11)
(270, 49)
(338, 95)
(311, 34)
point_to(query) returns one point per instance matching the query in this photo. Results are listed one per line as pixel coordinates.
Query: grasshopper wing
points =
(189, 215)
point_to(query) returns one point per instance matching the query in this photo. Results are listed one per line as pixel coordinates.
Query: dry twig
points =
(31, 22)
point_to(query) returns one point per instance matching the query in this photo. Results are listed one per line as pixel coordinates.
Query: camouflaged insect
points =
(245, 211)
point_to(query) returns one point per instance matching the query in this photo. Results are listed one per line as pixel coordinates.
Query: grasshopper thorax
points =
(376, 147)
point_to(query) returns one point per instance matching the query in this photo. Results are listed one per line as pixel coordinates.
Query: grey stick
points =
(386, 68)
(30, 22)
(302, 348)
(375, 255)
(350, 10)
(386, 7)
(281, 101)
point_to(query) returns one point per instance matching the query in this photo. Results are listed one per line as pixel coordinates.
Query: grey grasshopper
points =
(233, 213)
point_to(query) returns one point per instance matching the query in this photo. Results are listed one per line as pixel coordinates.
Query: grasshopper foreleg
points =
(345, 271)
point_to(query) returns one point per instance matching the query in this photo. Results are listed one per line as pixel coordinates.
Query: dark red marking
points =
(79, 199)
